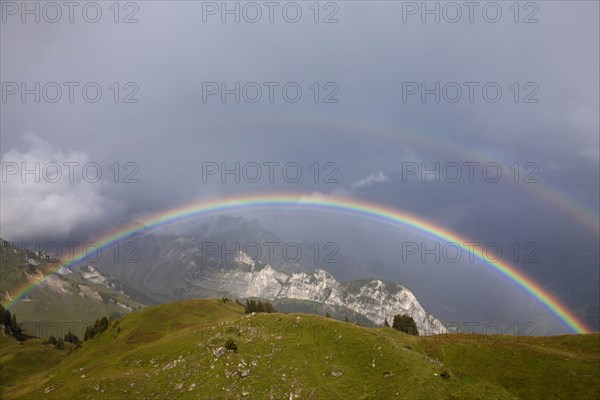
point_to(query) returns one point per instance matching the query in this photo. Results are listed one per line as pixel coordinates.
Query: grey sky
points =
(367, 55)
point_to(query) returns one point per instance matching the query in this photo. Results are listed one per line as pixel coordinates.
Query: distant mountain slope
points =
(68, 300)
(178, 350)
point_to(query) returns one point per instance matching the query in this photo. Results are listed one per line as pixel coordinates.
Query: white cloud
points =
(49, 204)
(313, 196)
(372, 179)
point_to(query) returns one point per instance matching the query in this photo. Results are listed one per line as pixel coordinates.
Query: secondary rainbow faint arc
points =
(321, 202)
(541, 191)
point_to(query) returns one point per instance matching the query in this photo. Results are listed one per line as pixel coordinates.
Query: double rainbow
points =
(331, 204)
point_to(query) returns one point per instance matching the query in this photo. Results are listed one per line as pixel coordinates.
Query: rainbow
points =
(332, 204)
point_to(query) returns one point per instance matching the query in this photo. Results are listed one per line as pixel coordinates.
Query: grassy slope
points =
(24, 364)
(167, 351)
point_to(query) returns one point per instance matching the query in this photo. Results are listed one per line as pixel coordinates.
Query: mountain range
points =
(174, 266)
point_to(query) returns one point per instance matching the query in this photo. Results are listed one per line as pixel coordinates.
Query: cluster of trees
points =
(257, 306)
(60, 343)
(94, 330)
(403, 323)
(72, 338)
(11, 326)
(57, 343)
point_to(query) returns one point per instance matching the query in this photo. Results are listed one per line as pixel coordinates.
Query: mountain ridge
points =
(375, 299)
(173, 267)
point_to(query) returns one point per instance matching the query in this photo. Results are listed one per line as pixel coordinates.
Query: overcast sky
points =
(369, 125)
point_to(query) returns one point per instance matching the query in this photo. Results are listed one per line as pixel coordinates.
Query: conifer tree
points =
(405, 323)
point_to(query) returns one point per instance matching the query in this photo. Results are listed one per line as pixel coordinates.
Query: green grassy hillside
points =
(177, 351)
